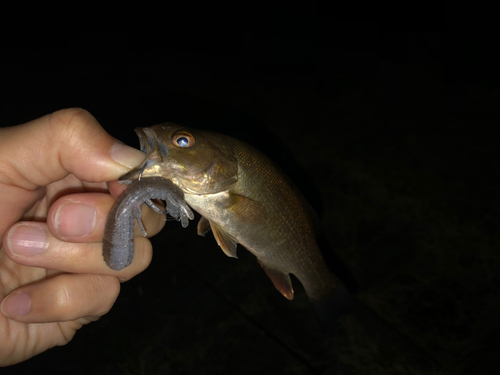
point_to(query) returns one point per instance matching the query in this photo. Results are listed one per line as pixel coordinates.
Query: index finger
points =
(47, 149)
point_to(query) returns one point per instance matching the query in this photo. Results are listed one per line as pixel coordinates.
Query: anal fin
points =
(280, 280)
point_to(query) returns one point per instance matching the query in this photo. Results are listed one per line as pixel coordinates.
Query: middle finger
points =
(82, 217)
(32, 244)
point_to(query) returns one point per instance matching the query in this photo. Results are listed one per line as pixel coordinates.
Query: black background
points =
(389, 130)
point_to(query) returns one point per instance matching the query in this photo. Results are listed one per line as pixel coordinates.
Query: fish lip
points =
(146, 141)
(146, 146)
(156, 153)
(143, 144)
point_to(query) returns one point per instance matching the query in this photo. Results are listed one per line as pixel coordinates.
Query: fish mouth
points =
(155, 151)
(149, 144)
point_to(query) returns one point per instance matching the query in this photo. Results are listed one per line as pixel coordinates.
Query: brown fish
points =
(244, 198)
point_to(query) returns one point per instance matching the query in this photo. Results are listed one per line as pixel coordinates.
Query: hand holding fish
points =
(54, 202)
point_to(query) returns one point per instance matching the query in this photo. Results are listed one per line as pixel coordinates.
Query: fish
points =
(244, 198)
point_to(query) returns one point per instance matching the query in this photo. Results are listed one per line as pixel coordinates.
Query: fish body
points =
(244, 198)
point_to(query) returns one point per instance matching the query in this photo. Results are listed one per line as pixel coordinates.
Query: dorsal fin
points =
(280, 280)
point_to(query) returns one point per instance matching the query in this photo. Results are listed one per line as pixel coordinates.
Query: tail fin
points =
(331, 306)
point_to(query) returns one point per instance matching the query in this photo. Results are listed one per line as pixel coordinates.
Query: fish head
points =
(197, 161)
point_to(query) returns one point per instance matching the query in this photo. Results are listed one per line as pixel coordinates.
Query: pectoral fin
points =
(247, 209)
(280, 280)
(226, 242)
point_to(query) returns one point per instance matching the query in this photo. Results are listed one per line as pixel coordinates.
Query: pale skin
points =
(54, 200)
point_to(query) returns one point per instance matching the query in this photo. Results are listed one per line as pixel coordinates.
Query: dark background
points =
(389, 130)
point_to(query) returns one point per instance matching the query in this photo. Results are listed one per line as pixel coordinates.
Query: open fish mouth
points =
(149, 144)
(146, 140)
(155, 151)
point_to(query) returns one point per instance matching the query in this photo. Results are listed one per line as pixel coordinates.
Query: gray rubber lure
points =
(118, 245)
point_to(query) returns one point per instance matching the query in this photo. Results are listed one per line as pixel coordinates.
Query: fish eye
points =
(184, 140)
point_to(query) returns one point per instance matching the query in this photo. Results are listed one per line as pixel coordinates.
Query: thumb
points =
(47, 149)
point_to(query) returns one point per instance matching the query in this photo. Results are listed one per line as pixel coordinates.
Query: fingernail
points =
(126, 155)
(16, 304)
(27, 240)
(74, 219)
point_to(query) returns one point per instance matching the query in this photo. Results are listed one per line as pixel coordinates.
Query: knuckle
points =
(108, 287)
(86, 295)
(63, 297)
(73, 123)
(68, 117)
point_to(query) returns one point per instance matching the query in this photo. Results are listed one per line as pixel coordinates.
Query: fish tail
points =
(331, 305)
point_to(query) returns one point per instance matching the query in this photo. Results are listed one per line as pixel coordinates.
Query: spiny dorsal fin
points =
(203, 226)
(226, 242)
(280, 280)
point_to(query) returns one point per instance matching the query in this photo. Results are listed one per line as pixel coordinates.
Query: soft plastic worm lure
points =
(118, 245)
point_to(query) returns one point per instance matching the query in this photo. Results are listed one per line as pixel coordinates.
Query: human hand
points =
(54, 201)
